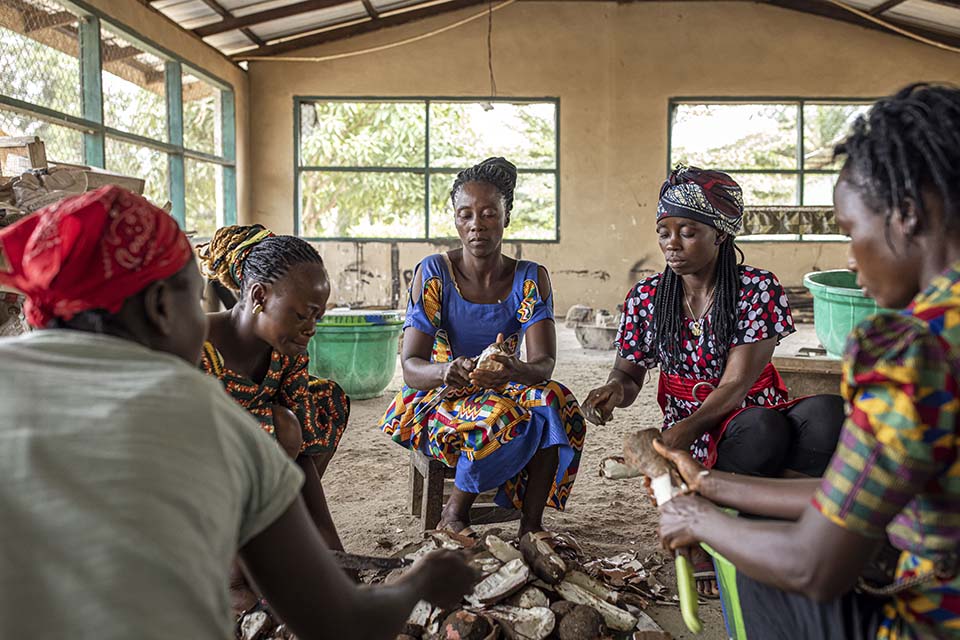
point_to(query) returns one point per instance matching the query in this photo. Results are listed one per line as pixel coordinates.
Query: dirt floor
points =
(366, 485)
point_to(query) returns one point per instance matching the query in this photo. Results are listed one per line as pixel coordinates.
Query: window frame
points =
(800, 102)
(424, 170)
(95, 132)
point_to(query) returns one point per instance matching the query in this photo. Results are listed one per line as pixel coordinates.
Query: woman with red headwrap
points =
(711, 325)
(129, 480)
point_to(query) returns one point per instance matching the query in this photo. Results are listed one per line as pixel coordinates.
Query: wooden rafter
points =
(371, 10)
(229, 23)
(311, 38)
(223, 13)
(836, 13)
(883, 7)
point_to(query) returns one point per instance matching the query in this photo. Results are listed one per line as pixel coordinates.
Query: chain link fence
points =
(40, 54)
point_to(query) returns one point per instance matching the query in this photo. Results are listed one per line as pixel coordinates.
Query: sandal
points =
(704, 572)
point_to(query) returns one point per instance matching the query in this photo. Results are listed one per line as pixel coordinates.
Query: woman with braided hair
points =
(258, 351)
(711, 325)
(506, 425)
(895, 474)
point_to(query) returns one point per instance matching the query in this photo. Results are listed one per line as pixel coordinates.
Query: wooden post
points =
(416, 487)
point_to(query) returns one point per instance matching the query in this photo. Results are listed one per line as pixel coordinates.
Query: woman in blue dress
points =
(506, 425)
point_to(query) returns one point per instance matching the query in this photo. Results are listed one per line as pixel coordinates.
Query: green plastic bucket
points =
(729, 595)
(839, 305)
(357, 349)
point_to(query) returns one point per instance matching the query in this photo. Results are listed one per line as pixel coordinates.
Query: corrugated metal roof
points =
(269, 27)
(928, 14)
(315, 19)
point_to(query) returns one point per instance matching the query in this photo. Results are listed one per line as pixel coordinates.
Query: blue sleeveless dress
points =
(488, 435)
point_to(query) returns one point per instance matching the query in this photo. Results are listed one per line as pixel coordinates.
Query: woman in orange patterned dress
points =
(258, 350)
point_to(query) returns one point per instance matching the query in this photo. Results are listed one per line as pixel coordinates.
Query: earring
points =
(257, 308)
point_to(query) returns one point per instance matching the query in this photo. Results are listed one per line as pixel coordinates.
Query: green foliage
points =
(38, 74)
(734, 137)
(201, 124)
(52, 79)
(392, 135)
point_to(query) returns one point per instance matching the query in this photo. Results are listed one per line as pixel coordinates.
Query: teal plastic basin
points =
(357, 349)
(839, 305)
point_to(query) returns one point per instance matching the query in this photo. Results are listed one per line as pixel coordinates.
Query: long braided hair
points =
(723, 316)
(239, 256)
(906, 142)
(499, 172)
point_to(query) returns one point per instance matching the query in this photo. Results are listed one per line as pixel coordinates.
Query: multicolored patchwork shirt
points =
(897, 469)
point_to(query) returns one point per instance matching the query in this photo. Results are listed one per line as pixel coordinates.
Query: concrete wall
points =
(157, 28)
(614, 68)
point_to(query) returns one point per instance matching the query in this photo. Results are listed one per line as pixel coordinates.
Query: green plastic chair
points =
(729, 596)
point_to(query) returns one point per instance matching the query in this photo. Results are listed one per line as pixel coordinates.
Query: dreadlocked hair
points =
(906, 142)
(499, 172)
(239, 256)
(668, 306)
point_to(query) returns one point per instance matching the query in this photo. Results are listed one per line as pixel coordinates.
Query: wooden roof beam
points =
(883, 7)
(226, 15)
(229, 22)
(311, 38)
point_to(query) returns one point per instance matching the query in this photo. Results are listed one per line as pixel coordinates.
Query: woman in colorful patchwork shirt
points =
(896, 471)
(506, 426)
(711, 324)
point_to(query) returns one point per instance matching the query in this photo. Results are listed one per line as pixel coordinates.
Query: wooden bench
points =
(431, 482)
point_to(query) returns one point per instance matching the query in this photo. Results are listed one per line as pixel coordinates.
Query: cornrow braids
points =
(906, 142)
(239, 256)
(723, 314)
(499, 172)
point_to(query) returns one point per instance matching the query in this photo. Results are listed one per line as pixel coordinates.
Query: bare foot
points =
(450, 520)
(704, 573)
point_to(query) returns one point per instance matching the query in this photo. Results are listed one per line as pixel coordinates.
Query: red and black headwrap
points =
(710, 197)
(91, 251)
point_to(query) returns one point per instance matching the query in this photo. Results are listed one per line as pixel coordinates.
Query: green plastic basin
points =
(357, 349)
(839, 305)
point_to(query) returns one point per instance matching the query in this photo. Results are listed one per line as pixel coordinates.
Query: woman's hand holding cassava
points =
(600, 402)
(690, 470)
(682, 518)
(499, 370)
(457, 373)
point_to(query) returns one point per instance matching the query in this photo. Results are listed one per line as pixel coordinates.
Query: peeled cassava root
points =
(524, 624)
(615, 617)
(501, 550)
(501, 584)
(615, 468)
(484, 363)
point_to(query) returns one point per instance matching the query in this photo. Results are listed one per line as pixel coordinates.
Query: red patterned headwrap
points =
(710, 197)
(91, 251)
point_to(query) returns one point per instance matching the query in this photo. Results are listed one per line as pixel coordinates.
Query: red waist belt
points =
(696, 391)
